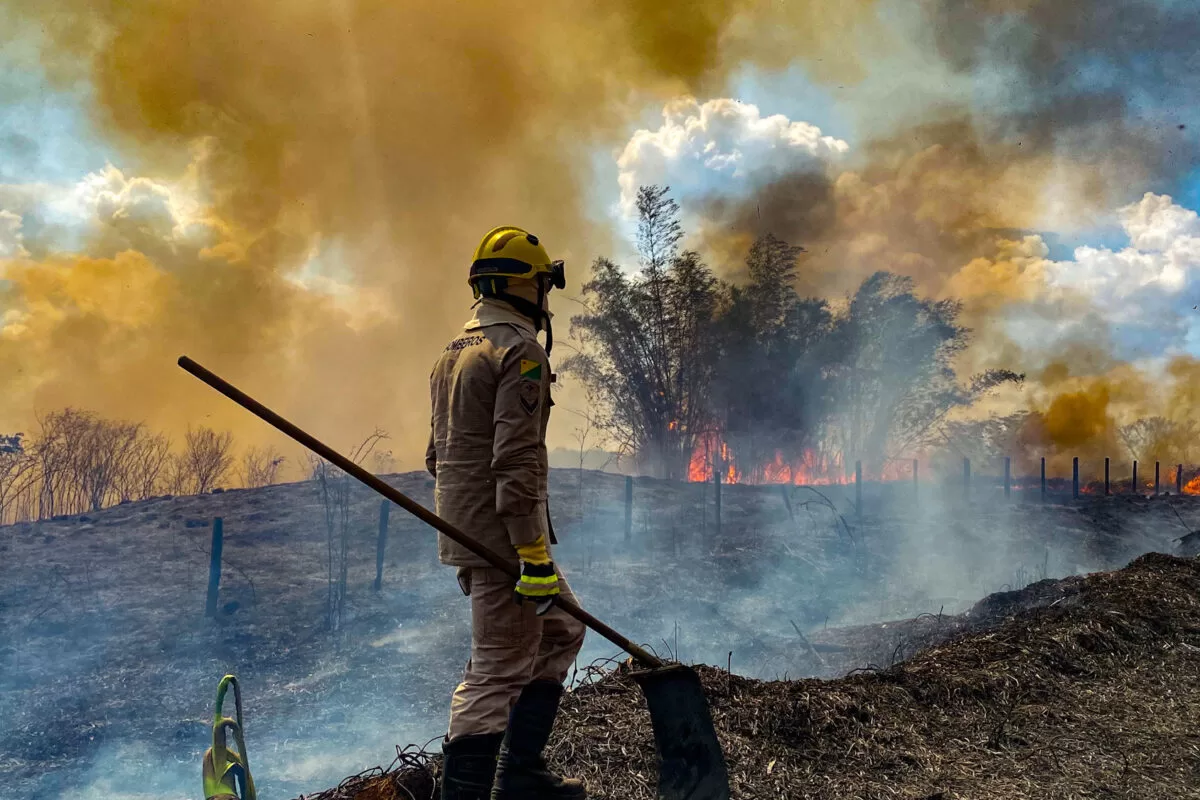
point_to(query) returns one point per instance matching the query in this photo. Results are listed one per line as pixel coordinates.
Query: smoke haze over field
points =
(292, 193)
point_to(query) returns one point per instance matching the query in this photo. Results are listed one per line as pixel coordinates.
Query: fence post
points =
(214, 567)
(628, 507)
(1133, 487)
(967, 478)
(381, 545)
(1007, 476)
(1179, 479)
(1156, 474)
(1043, 479)
(1075, 477)
(1106, 484)
(717, 480)
(858, 507)
(916, 487)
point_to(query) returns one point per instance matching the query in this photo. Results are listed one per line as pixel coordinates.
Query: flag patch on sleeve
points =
(531, 370)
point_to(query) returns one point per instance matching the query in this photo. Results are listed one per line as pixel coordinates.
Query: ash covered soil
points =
(1094, 693)
(108, 665)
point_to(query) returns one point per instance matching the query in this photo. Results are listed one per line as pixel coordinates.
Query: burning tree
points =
(893, 374)
(647, 341)
(770, 389)
(696, 374)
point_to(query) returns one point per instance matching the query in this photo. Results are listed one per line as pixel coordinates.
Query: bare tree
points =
(368, 445)
(589, 435)
(207, 457)
(1152, 437)
(60, 488)
(79, 461)
(333, 487)
(148, 463)
(102, 457)
(383, 462)
(260, 467)
(176, 475)
(16, 469)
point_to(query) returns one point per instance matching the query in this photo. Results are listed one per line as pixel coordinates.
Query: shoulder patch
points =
(530, 394)
(531, 370)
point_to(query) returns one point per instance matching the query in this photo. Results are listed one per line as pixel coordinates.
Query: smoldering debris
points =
(413, 776)
(1095, 693)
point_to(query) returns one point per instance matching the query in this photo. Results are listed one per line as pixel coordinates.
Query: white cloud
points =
(143, 212)
(1155, 223)
(1151, 276)
(721, 144)
(107, 211)
(139, 205)
(11, 240)
(1140, 297)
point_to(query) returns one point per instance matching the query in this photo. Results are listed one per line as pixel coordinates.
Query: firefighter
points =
(490, 392)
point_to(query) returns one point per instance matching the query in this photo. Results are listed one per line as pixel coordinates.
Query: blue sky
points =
(46, 135)
(791, 93)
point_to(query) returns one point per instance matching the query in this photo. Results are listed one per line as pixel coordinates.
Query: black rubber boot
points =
(521, 773)
(469, 766)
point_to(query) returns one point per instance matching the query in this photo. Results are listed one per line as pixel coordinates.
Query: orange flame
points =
(810, 469)
(698, 467)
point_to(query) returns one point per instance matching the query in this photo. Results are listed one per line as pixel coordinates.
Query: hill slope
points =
(108, 663)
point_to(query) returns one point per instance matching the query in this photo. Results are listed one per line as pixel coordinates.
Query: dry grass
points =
(1088, 687)
(412, 776)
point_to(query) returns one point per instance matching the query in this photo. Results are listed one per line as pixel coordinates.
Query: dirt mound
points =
(1083, 687)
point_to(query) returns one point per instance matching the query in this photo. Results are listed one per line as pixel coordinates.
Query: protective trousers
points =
(510, 646)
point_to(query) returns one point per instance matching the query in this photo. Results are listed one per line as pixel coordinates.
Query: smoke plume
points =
(294, 191)
(342, 159)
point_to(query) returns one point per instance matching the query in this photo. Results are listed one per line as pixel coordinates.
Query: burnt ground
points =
(108, 665)
(1087, 687)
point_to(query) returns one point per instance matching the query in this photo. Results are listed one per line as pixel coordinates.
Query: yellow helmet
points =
(511, 252)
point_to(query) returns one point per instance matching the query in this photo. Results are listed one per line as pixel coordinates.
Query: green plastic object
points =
(227, 773)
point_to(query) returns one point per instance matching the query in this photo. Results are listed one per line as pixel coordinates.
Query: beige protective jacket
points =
(490, 392)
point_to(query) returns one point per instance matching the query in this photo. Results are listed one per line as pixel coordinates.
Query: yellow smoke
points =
(370, 142)
(1122, 412)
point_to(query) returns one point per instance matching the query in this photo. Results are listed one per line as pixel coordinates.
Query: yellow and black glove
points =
(539, 581)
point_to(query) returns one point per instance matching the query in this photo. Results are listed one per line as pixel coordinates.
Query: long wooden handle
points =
(420, 512)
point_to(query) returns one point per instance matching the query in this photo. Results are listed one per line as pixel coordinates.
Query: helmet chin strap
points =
(535, 311)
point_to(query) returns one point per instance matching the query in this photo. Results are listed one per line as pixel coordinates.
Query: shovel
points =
(691, 765)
